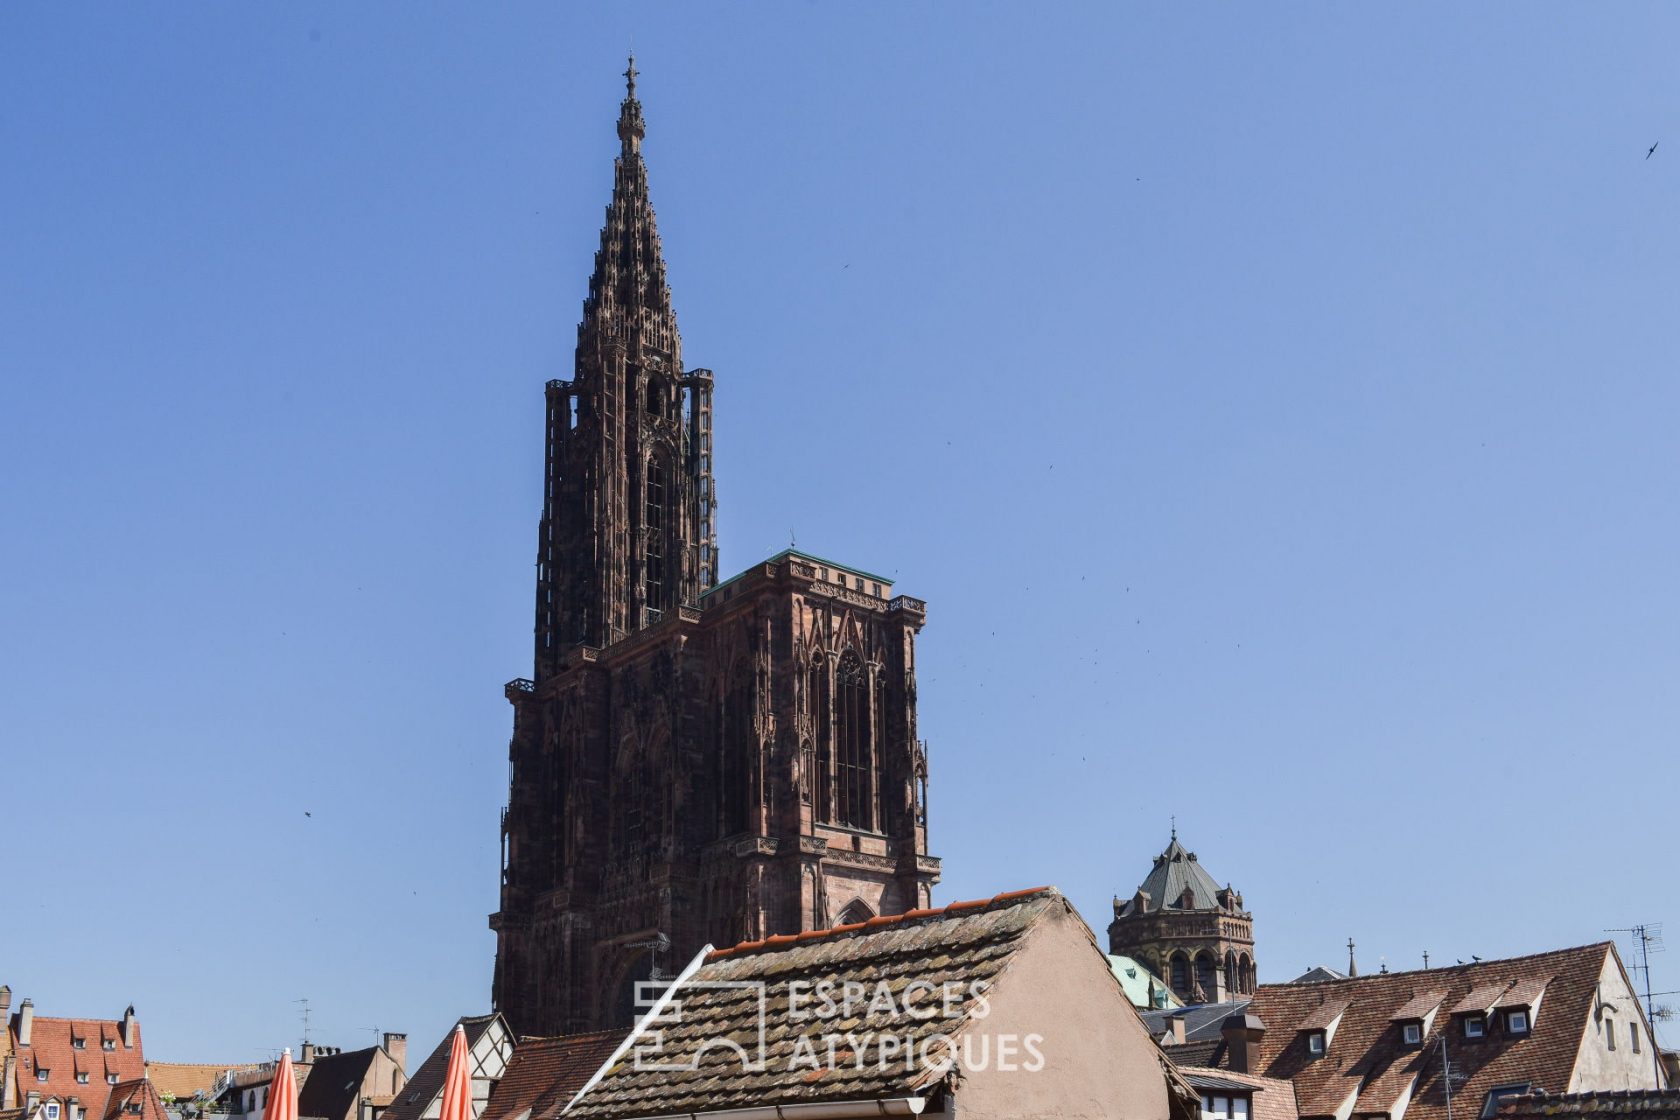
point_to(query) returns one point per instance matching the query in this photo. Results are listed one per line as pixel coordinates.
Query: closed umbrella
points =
(457, 1082)
(282, 1091)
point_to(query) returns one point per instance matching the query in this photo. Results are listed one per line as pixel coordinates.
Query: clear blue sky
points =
(1277, 409)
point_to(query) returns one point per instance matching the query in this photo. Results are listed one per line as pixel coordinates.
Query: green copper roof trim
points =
(787, 552)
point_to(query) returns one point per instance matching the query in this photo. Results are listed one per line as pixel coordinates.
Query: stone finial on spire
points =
(1353, 966)
(631, 128)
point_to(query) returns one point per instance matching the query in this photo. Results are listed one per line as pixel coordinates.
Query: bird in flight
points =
(1651, 150)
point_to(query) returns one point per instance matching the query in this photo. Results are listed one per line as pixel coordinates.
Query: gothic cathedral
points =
(694, 761)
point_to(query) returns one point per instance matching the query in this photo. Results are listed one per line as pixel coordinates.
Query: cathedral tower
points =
(1187, 929)
(693, 761)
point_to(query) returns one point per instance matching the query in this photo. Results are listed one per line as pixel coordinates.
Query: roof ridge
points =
(775, 941)
(1442, 969)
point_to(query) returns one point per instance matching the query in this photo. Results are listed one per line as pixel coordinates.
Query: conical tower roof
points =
(1177, 870)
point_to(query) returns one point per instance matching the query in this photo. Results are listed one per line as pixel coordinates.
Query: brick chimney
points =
(1176, 1024)
(129, 1023)
(26, 1020)
(1243, 1034)
(396, 1045)
(306, 1053)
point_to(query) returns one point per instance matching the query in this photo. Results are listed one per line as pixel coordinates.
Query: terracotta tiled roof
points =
(1420, 1005)
(1524, 993)
(52, 1047)
(1367, 1061)
(1481, 998)
(1320, 1017)
(546, 1073)
(873, 924)
(1647, 1104)
(186, 1079)
(1271, 1098)
(133, 1100)
(960, 944)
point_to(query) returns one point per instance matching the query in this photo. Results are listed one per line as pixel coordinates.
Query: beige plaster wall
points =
(1597, 1067)
(1097, 1058)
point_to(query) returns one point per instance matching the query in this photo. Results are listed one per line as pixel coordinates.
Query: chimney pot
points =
(396, 1045)
(128, 1025)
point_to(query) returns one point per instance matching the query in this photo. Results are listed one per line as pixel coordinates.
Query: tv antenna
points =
(305, 1014)
(1449, 1076)
(1648, 939)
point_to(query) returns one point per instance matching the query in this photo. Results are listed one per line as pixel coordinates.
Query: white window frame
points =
(1317, 1043)
(1512, 1018)
(1411, 1034)
(50, 1110)
(1475, 1026)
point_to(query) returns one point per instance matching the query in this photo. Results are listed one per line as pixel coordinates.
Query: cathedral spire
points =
(628, 533)
(631, 128)
(628, 298)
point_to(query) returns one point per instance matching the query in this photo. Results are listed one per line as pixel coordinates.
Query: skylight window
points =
(1501, 1093)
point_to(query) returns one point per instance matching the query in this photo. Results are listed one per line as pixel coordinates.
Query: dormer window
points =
(108, 1044)
(1475, 1026)
(81, 1079)
(51, 1110)
(78, 1043)
(42, 1073)
(1516, 1022)
(1315, 1043)
(1411, 1034)
(110, 1079)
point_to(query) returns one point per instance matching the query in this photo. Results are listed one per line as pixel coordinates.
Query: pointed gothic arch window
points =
(1180, 975)
(655, 520)
(1245, 973)
(856, 912)
(1233, 984)
(737, 752)
(854, 745)
(1206, 976)
(821, 779)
